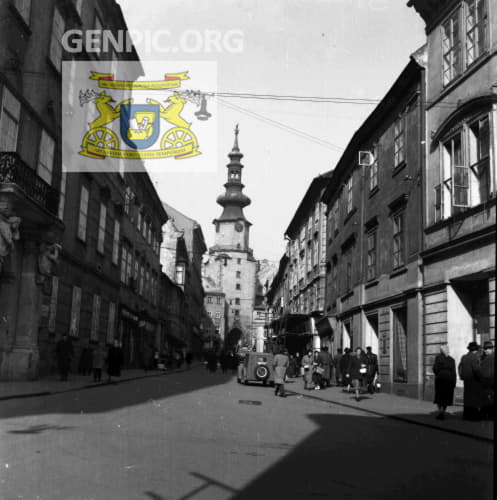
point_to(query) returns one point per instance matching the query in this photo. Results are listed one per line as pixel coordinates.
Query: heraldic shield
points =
(140, 124)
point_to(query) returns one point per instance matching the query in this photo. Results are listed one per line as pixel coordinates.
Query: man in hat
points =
(487, 379)
(469, 370)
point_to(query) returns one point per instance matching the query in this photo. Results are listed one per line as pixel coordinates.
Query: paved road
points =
(197, 436)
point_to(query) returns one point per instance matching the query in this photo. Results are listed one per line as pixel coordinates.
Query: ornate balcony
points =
(17, 178)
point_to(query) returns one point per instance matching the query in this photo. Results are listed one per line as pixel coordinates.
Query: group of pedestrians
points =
(92, 360)
(476, 370)
(226, 360)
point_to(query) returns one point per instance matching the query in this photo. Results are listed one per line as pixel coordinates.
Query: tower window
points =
(238, 261)
(238, 274)
(238, 287)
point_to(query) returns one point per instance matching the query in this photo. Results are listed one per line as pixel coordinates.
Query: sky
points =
(323, 48)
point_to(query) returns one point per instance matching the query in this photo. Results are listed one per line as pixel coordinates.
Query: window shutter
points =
(460, 186)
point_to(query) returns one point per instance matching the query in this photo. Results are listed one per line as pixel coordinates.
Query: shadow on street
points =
(115, 395)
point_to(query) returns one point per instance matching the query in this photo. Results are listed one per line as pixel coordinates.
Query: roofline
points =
(368, 127)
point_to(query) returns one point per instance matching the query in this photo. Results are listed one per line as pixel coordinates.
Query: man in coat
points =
(372, 369)
(469, 370)
(487, 379)
(325, 363)
(64, 353)
(344, 365)
(280, 366)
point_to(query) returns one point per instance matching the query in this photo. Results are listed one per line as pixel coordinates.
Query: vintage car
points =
(256, 367)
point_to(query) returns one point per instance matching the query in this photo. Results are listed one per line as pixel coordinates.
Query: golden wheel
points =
(179, 137)
(100, 137)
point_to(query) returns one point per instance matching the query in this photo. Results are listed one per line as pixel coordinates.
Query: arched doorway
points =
(232, 339)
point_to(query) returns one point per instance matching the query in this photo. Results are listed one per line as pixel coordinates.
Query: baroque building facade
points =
(231, 266)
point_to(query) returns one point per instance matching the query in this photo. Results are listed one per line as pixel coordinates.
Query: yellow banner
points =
(171, 81)
(98, 152)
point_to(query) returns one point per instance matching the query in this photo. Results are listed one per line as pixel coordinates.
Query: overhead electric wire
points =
(282, 126)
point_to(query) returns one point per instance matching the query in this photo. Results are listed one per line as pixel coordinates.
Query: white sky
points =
(344, 48)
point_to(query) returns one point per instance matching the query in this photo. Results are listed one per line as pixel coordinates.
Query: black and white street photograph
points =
(247, 249)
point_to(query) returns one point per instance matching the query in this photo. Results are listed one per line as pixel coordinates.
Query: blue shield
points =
(140, 124)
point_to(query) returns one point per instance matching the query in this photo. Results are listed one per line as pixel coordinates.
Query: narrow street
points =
(197, 435)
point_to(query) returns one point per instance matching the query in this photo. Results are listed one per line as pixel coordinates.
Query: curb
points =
(92, 386)
(397, 417)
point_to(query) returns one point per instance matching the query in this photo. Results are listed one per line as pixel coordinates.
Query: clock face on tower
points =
(239, 227)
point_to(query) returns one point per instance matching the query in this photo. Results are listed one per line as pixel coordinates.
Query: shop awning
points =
(326, 326)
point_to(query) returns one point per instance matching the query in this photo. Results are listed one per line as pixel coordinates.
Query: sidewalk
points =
(53, 385)
(400, 408)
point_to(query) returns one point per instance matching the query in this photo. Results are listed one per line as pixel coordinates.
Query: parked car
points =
(256, 367)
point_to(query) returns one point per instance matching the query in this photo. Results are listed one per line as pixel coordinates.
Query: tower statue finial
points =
(235, 146)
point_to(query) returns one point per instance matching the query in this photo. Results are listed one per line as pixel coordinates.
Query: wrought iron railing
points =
(14, 171)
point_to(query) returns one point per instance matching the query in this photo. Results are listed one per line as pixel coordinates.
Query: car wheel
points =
(262, 372)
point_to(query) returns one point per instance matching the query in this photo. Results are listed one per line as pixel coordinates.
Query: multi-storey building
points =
(187, 269)
(231, 264)
(171, 333)
(460, 181)
(79, 251)
(374, 237)
(301, 275)
(216, 309)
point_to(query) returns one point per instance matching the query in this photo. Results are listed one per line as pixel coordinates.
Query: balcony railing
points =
(14, 171)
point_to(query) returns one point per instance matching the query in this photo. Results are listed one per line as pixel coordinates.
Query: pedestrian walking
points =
(317, 371)
(307, 362)
(280, 366)
(85, 364)
(371, 369)
(64, 354)
(98, 363)
(444, 369)
(189, 359)
(337, 364)
(344, 367)
(325, 363)
(356, 371)
(114, 360)
(470, 373)
(487, 379)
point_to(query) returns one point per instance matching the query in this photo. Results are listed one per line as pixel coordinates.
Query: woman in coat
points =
(357, 365)
(307, 364)
(444, 369)
(280, 366)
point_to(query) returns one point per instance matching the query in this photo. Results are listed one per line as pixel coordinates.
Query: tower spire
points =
(235, 145)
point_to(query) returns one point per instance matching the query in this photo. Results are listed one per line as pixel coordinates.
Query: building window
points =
(58, 27)
(139, 220)
(399, 150)
(75, 312)
(476, 28)
(400, 345)
(218, 300)
(465, 178)
(141, 281)
(237, 301)
(237, 312)
(128, 197)
(62, 196)
(373, 169)
(46, 157)
(95, 318)
(209, 313)
(24, 8)
(398, 240)
(209, 300)
(9, 121)
(238, 287)
(451, 48)
(238, 274)
(218, 314)
(101, 228)
(349, 194)
(180, 274)
(124, 263)
(371, 265)
(115, 242)
(238, 261)
(83, 213)
(111, 322)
